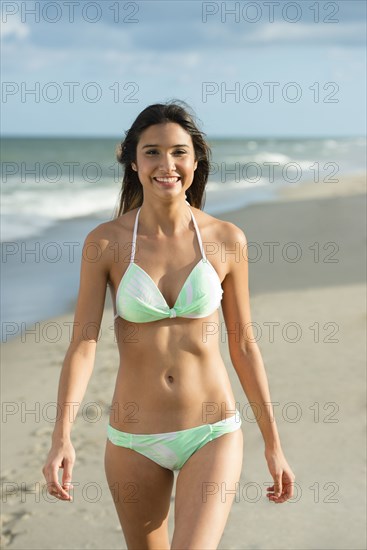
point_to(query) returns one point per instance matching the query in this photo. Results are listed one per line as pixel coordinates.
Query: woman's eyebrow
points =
(154, 145)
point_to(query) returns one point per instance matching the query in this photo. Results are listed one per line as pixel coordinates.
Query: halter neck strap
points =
(135, 231)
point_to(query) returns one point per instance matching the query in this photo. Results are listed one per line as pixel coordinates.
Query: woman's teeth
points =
(167, 180)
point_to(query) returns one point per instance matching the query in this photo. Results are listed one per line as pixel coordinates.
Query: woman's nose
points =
(167, 163)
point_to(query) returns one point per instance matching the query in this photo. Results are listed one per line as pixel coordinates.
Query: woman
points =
(173, 406)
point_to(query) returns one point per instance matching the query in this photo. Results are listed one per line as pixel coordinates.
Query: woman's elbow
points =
(244, 354)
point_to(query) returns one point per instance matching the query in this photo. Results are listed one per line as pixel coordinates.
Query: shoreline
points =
(311, 323)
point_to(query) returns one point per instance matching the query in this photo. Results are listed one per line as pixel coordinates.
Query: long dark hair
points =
(131, 194)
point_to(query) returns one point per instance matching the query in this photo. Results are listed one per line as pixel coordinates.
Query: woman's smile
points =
(168, 182)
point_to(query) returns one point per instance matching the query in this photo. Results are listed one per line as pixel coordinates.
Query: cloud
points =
(179, 26)
(346, 34)
(14, 29)
(170, 39)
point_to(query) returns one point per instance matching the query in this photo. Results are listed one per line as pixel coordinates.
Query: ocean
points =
(55, 190)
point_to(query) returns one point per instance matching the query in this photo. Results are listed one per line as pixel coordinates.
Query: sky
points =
(247, 69)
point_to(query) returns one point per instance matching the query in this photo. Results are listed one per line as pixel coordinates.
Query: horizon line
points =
(208, 137)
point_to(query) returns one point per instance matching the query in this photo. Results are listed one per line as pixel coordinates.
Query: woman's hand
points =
(61, 455)
(282, 474)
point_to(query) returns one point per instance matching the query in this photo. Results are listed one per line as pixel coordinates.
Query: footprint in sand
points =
(12, 524)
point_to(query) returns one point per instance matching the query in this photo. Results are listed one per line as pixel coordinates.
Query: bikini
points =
(139, 300)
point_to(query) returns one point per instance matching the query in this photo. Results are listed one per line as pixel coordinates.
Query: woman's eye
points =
(154, 151)
(178, 153)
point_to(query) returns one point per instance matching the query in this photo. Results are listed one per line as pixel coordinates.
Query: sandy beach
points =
(308, 294)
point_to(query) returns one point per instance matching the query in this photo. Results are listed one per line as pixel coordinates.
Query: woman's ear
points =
(134, 167)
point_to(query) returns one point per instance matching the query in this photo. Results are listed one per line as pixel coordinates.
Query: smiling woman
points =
(170, 166)
(185, 149)
(184, 414)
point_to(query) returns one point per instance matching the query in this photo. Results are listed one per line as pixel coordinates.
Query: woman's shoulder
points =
(112, 228)
(217, 228)
(115, 229)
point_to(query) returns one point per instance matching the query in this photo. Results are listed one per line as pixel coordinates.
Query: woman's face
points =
(165, 160)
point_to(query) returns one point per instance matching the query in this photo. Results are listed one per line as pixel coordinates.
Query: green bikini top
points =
(139, 300)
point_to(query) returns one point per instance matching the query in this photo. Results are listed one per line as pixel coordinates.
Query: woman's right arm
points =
(79, 360)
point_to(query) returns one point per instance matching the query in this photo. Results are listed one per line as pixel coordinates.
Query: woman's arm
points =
(246, 357)
(79, 360)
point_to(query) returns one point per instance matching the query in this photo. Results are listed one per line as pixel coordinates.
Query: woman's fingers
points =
(285, 493)
(53, 485)
(57, 490)
(66, 476)
(283, 487)
(278, 484)
(282, 475)
(277, 487)
(60, 456)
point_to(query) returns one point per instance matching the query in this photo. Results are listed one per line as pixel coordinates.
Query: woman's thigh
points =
(205, 490)
(141, 490)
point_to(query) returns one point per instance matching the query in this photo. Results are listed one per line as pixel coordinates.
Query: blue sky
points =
(95, 65)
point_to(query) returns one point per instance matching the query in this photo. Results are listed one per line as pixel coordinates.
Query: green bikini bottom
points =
(172, 449)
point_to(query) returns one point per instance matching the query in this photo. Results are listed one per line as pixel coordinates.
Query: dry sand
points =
(315, 361)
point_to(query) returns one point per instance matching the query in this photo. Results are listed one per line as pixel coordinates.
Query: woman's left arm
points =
(247, 361)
